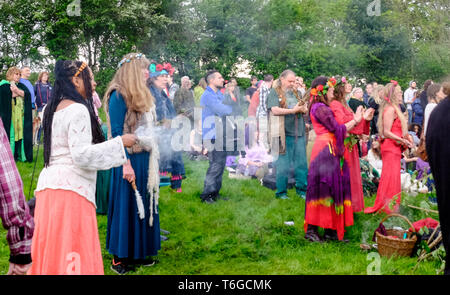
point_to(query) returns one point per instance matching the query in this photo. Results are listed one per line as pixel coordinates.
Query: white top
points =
(429, 108)
(74, 160)
(408, 97)
(374, 161)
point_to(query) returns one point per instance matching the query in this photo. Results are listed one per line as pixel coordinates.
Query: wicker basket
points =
(401, 247)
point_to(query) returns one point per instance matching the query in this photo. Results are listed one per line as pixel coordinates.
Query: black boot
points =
(121, 266)
(331, 235)
(312, 234)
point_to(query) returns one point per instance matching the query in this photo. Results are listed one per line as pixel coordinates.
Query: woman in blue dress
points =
(133, 232)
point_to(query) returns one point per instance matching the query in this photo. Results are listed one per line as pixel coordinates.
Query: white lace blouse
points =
(74, 160)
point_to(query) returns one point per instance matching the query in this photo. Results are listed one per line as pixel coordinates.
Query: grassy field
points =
(247, 234)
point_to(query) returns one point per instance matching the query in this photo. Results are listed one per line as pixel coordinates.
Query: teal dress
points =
(102, 186)
(127, 235)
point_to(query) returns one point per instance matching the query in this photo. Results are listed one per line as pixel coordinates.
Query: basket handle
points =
(401, 216)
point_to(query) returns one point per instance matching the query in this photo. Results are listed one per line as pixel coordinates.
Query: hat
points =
(157, 70)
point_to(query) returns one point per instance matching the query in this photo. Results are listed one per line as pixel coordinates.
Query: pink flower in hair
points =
(344, 80)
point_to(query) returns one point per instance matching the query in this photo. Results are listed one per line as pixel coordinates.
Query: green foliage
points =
(103, 77)
(386, 43)
(244, 83)
(350, 141)
(409, 40)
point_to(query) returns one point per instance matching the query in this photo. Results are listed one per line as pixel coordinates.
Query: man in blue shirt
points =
(25, 73)
(213, 108)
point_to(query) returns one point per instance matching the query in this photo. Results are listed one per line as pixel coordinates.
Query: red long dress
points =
(328, 196)
(390, 181)
(344, 115)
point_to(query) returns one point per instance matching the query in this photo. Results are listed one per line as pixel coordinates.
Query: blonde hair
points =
(129, 83)
(11, 72)
(376, 93)
(202, 83)
(356, 89)
(388, 92)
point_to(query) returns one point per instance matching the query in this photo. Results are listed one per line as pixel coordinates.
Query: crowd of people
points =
(329, 137)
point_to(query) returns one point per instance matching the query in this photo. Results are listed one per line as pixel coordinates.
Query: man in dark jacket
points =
(437, 147)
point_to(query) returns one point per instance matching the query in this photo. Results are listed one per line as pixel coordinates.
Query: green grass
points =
(246, 235)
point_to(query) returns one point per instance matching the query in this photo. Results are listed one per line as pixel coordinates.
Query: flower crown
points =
(161, 69)
(323, 90)
(130, 58)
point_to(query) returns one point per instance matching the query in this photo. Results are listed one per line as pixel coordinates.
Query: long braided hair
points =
(65, 89)
(281, 94)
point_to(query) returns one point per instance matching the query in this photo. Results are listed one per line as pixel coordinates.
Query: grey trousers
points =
(213, 179)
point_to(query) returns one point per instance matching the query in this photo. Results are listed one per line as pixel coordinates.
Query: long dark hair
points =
(65, 89)
(321, 80)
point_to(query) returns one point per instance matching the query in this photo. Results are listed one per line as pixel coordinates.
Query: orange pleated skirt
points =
(65, 240)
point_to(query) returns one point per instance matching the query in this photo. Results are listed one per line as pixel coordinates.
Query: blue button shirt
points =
(212, 104)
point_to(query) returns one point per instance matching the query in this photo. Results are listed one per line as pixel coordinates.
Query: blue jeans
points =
(295, 155)
(410, 115)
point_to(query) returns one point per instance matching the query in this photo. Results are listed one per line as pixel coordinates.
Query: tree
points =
(387, 45)
(408, 40)
(19, 42)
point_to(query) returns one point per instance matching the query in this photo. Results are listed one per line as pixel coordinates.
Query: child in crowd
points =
(409, 166)
(415, 130)
(374, 156)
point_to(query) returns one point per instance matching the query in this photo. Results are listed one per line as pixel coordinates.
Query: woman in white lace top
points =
(66, 237)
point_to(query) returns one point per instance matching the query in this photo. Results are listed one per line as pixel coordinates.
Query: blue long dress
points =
(127, 235)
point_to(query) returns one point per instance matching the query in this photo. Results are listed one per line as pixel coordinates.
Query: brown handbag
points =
(421, 149)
